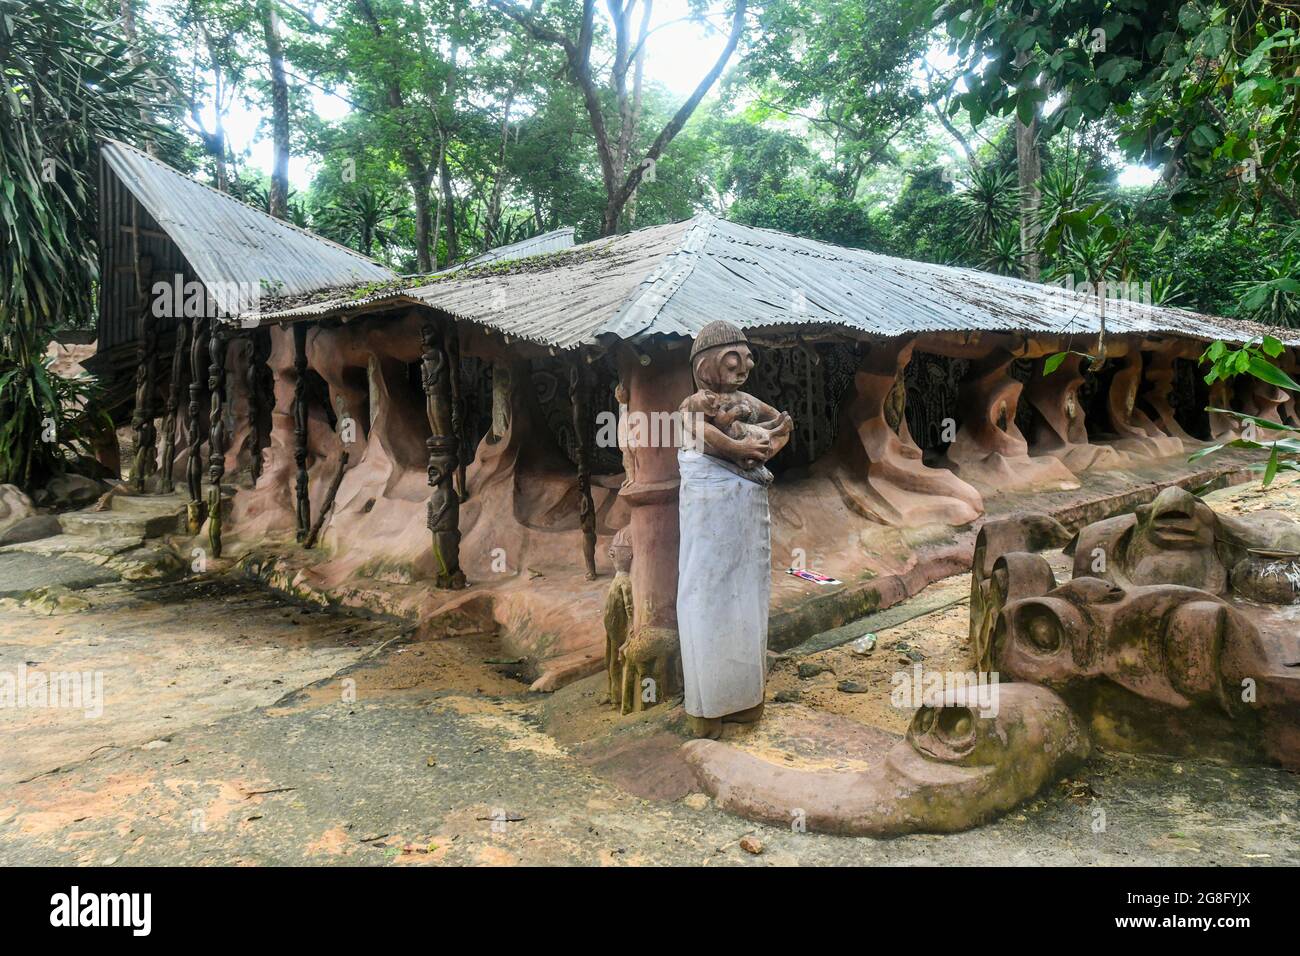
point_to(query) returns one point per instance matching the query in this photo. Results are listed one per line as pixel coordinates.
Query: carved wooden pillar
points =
(444, 506)
(302, 498)
(580, 398)
(217, 342)
(146, 434)
(259, 401)
(194, 466)
(173, 407)
(452, 348)
(654, 381)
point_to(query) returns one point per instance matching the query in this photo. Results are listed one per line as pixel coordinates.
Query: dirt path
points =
(237, 729)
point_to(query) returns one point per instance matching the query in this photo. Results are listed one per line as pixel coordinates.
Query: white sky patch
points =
(1134, 175)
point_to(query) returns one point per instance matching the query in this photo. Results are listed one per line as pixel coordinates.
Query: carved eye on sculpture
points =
(947, 733)
(1041, 629)
(956, 727)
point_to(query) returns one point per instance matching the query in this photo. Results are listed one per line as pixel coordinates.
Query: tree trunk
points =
(279, 111)
(417, 173)
(128, 31)
(449, 200)
(1029, 167)
(420, 190)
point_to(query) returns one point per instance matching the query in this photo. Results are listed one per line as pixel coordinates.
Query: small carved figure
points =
(736, 418)
(618, 612)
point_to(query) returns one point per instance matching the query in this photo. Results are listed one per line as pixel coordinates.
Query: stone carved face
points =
(1173, 543)
(1178, 520)
(724, 369)
(1161, 642)
(620, 551)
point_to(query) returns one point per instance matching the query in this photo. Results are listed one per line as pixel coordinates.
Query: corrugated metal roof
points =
(672, 280)
(240, 253)
(533, 246)
(554, 299)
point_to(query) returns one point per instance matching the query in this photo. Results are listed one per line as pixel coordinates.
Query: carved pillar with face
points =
(1061, 431)
(656, 380)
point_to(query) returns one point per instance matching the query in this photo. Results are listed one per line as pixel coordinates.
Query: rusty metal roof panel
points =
(241, 253)
(673, 279)
(558, 298)
(762, 279)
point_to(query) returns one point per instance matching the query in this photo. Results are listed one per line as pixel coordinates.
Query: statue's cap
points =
(715, 335)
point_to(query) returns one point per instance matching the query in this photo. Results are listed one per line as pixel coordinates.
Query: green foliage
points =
(68, 80)
(1254, 359)
(993, 202)
(1206, 91)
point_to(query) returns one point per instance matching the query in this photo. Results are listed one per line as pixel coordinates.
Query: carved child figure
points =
(618, 612)
(736, 418)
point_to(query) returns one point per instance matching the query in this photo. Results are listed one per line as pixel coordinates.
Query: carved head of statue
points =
(620, 551)
(1173, 542)
(720, 358)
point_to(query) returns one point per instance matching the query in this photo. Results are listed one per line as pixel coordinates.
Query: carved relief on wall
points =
(550, 377)
(810, 381)
(933, 405)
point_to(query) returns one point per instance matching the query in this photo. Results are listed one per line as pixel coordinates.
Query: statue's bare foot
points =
(750, 715)
(705, 727)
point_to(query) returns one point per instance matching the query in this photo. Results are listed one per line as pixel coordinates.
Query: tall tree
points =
(279, 109)
(619, 175)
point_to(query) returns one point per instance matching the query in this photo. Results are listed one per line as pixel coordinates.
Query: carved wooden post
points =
(444, 506)
(194, 466)
(217, 342)
(452, 348)
(257, 398)
(655, 381)
(580, 398)
(173, 406)
(146, 435)
(303, 500)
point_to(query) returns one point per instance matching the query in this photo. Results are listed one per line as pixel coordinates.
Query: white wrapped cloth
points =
(724, 585)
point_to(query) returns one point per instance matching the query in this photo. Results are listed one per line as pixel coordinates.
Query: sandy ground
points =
(240, 729)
